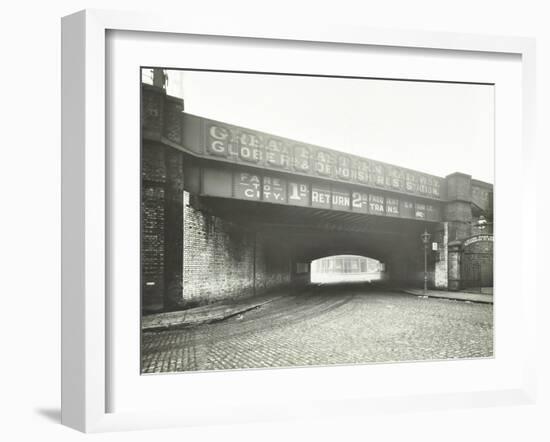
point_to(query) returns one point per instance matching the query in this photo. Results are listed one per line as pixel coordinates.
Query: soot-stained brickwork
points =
(161, 227)
(226, 260)
(191, 257)
(218, 257)
(152, 227)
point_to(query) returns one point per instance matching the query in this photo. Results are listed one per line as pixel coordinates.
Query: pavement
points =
(225, 309)
(326, 325)
(486, 297)
(205, 314)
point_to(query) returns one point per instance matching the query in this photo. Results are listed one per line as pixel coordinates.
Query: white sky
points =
(431, 127)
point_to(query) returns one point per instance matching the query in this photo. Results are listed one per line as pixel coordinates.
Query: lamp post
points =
(425, 237)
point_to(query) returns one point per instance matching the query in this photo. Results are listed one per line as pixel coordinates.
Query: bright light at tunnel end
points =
(346, 268)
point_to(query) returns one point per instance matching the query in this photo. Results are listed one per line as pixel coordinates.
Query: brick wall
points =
(225, 260)
(173, 222)
(459, 187)
(152, 222)
(161, 200)
(162, 218)
(189, 256)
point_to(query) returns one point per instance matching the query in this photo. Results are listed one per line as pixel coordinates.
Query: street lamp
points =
(425, 237)
(481, 225)
(481, 222)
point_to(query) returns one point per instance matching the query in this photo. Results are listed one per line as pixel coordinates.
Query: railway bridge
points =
(231, 211)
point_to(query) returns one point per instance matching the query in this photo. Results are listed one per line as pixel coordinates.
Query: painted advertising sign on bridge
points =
(228, 143)
(304, 192)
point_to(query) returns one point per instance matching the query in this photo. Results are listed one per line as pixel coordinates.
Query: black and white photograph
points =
(295, 220)
(275, 221)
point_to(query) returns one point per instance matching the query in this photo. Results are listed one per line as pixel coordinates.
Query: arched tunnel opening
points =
(259, 251)
(237, 249)
(338, 269)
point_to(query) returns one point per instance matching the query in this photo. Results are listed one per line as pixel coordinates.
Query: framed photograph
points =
(278, 222)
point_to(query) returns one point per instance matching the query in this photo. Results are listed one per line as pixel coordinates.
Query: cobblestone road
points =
(327, 325)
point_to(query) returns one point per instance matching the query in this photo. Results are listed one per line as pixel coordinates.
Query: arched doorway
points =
(477, 262)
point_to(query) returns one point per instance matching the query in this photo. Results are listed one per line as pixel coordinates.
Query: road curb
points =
(183, 319)
(463, 296)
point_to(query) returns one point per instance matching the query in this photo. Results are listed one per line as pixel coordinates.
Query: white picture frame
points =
(86, 217)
